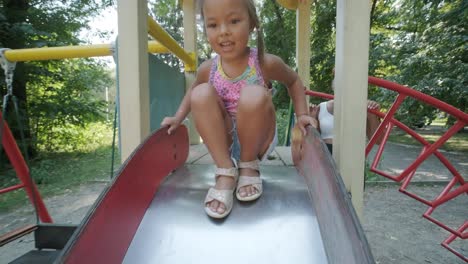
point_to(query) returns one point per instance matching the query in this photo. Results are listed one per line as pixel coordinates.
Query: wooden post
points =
(351, 69)
(133, 74)
(190, 45)
(303, 42)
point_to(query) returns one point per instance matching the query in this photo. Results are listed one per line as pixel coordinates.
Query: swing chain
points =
(9, 68)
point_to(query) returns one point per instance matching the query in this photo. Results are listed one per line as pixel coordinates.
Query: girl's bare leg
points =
(213, 124)
(255, 127)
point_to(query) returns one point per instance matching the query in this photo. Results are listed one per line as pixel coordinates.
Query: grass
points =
(55, 173)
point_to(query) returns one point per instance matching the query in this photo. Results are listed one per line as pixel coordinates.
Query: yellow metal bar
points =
(158, 33)
(156, 47)
(69, 52)
(289, 4)
(58, 52)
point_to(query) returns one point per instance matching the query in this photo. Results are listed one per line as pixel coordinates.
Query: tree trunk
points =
(374, 4)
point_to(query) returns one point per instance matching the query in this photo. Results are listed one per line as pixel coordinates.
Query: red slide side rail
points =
(99, 240)
(454, 188)
(22, 171)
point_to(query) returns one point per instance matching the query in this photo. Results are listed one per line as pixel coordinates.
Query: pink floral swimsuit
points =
(229, 88)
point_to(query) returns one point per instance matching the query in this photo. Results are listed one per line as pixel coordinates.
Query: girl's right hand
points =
(171, 122)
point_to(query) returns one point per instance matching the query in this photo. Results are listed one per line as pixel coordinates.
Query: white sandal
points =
(245, 180)
(224, 196)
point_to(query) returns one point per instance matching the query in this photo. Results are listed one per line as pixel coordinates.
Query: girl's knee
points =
(254, 96)
(202, 93)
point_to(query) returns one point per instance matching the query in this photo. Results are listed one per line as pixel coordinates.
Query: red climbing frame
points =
(22, 171)
(457, 183)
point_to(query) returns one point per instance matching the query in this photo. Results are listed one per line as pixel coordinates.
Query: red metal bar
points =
(424, 142)
(451, 238)
(428, 149)
(22, 171)
(429, 202)
(445, 196)
(451, 195)
(401, 89)
(11, 188)
(389, 116)
(425, 154)
(319, 94)
(380, 150)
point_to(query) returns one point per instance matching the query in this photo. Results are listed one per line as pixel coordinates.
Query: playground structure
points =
(456, 186)
(312, 153)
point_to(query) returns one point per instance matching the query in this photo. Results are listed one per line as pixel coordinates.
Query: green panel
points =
(167, 89)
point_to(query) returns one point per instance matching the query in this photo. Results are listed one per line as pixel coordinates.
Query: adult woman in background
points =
(324, 114)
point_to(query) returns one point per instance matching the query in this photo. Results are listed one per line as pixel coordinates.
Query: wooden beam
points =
(190, 45)
(303, 42)
(134, 125)
(351, 69)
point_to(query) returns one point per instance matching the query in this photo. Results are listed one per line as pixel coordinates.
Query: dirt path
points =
(397, 157)
(398, 233)
(69, 208)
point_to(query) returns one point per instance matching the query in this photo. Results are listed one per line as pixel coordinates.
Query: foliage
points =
(173, 24)
(282, 121)
(322, 59)
(53, 95)
(422, 44)
(63, 100)
(30, 24)
(56, 173)
(278, 26)
(419, 43)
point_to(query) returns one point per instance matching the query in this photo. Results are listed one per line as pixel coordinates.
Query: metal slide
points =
(153, 213)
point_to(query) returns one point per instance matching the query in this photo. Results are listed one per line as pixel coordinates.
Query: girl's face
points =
(227, 26)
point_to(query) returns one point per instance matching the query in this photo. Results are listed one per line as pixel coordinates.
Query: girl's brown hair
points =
(254, 21)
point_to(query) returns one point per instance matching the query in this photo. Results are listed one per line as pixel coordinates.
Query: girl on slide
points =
(231, 103)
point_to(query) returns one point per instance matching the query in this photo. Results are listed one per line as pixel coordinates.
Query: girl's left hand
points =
(304, 120)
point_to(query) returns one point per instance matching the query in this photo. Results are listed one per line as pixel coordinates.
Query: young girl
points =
(231, 104)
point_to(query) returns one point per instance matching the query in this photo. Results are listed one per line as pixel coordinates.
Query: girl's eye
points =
(211, 25)
(235, 21)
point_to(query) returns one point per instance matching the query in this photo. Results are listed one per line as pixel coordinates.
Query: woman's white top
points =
(326, 121)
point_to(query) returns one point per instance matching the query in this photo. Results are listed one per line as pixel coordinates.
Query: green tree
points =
(322, 59)
(173, 24)
(279, 30)
(64, 99)
(422, 44)
(33, 24)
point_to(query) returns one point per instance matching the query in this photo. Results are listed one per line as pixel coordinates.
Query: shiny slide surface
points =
(280, 227)
(153, 213)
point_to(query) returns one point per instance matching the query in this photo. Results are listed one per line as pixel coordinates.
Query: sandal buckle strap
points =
(232, 172)
(249, 165)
